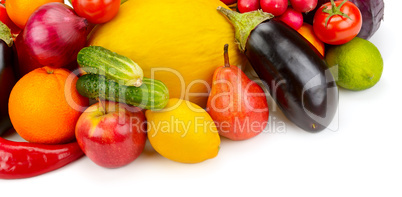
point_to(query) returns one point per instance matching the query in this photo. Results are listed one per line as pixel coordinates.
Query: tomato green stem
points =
(335, 10)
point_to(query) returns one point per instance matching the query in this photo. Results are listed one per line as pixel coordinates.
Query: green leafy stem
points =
(334, 10)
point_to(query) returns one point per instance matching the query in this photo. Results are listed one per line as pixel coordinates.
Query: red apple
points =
(111, 134)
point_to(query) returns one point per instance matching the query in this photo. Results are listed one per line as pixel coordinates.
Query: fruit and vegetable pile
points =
(100, 78)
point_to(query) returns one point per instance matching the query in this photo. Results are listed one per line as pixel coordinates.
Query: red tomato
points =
(96, 11)
(7, 21)
(337, 22)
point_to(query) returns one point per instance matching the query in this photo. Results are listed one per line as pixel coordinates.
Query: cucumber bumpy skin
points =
(152, 94)
(99, 60)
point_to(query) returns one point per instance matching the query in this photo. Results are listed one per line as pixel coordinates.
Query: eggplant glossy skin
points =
(295, 74)
(7, 82)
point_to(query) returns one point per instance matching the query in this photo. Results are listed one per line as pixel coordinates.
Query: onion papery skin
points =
(53, 36)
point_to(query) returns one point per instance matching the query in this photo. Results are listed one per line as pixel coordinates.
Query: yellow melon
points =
(179, 42)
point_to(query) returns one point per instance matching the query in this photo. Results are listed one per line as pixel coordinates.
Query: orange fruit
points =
(44, 106)
(19, 11)
(307, 32)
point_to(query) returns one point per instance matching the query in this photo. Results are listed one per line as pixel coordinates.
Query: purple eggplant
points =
(7, 81)
(294, 72)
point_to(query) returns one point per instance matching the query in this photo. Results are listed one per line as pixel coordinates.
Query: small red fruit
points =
(292, 18)
(229, 2)
(248, 5)
(275, 7)
(303, 6)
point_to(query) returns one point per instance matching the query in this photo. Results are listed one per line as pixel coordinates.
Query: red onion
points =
(53, 36)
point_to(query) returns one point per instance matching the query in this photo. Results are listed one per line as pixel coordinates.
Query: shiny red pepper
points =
(25, 159)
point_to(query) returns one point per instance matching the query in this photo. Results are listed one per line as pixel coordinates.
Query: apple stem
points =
(226, 55)
(102, 106)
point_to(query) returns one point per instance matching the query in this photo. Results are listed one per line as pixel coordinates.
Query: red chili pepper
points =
(25, 159)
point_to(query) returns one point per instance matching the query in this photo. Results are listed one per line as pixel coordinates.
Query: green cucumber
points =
(152, 94)
(99, 60)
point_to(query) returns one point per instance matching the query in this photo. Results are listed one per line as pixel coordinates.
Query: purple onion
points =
(54, 35)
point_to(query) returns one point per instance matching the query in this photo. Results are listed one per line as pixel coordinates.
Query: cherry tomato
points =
(337, 22)
(7, 21)
(96, 11)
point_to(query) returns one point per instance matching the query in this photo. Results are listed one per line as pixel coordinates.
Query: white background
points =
(362, 157)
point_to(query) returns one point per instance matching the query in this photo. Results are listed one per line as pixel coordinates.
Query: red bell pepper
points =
(25, 159)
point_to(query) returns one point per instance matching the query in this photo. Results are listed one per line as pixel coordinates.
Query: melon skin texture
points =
(179, 42)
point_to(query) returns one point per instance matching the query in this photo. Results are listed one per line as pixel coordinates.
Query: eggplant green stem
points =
(244, 23)
(5, 34)
(335, 10)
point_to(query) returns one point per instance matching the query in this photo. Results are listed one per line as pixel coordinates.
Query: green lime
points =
(357, 64)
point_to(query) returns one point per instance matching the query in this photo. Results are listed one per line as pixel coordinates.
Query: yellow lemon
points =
(176, 41)
(183, 132)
